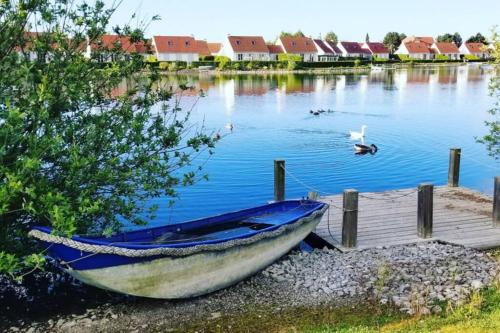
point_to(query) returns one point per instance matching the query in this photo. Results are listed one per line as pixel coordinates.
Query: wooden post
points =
(425, 207)
(279, 180)
(454, 167)
(496, 202)
(350, 218)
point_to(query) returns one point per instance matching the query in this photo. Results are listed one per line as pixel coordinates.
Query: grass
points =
(480, 315)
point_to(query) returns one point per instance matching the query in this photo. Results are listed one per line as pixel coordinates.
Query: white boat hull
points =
(196, 274)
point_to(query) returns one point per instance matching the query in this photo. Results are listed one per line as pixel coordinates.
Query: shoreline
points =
(331, 70)
(395, 277)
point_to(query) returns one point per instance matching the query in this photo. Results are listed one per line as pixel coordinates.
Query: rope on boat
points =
(169, 251)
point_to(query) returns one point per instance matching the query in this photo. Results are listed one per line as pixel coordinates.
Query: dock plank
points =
(461, 216)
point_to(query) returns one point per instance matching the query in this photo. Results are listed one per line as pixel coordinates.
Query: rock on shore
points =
(414, 278)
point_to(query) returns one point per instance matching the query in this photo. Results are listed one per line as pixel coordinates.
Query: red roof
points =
(202, 47)
(417, 47)
(323, 46)
(110, 42)
(427, 40)
(175, 44)
(377, 48)
(248, 44)
(333, 46)
(446, 47)
(475, 47)
(298, 44)
(214, 47)
(353, 47)
(274, 49)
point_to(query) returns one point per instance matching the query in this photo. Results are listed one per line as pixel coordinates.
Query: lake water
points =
(414, 116)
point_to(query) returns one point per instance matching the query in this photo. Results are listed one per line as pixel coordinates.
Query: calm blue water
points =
(414, 116)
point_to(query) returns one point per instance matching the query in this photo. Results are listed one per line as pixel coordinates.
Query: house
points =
(175, 48)
(448, 49)
(411, 39)
(111, 48)
(353, 50)
(274, 51)
(202, 47)
(415, 50)
(245, 48)
(325, 52)
(214, 48)
(378, 50)
(475, 49)
(303, 46)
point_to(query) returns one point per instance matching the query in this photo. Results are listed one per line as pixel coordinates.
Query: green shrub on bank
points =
(379, 59)
(285, 57)
(471, 57)
(441, 57)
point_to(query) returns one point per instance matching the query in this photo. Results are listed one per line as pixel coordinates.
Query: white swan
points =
(229, 126)
(358, 135)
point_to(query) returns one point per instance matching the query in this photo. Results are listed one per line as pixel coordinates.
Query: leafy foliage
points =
(83, 145)
(492, 139)
(298, 33)
(451, 38)
(392, 40)
(331, 36)
(477, 38)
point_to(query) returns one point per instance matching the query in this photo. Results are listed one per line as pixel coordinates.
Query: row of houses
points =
(427, 48)
(239, 48)
(254, 48)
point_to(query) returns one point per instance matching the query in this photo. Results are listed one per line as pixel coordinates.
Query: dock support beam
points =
(454, 167)
(350, 218)
(279, 180)
(496, 202)
(424, 211)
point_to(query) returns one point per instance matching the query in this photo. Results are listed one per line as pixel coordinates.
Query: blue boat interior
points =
(214, 229)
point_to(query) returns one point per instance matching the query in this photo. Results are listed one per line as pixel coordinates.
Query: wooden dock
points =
(460, 216)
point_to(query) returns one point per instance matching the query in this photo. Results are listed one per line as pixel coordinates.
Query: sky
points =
(349, 19)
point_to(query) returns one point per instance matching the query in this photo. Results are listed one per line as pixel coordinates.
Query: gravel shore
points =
(413, 278)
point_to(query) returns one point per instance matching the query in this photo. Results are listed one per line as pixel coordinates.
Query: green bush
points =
(172, 67)
(403, 57)
(471, 57)
(220, 58)
(250, 65)
(292, 65)
(207, 58)
(163, 65)
(196, 64)
(151, 58)
(285, 57)
(379, 59)
(236, 66)
(357, 63)
(441, 57)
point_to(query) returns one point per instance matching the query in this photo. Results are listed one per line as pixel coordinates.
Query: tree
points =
(492, 139)
(455, 38)
(331, 36)
(367, 38)
(75, 153)
(392, 40)
(478, 38)
(292, 34)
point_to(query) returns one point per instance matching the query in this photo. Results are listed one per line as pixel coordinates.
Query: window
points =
(237, 42)
(186, 43)
(170, 43)
(253, 42)
(240, 56)
(293, 43)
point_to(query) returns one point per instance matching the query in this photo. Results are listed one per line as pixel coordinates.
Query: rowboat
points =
(186, 259)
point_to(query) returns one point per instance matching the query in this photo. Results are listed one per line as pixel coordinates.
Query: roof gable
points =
(298, 44)
(214, 47)
(323, 46)
(175, 44)
(427, 40)
(417, 47)
(377, 48)
(353, 47)
(248, 44)
(333, 47)
(475, 47)
(274, 49)
(446, 47)
(202, 47)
